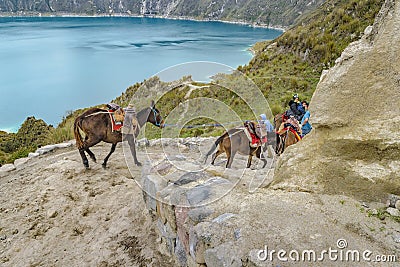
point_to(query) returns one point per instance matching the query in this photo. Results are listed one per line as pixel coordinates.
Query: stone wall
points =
(191, 204)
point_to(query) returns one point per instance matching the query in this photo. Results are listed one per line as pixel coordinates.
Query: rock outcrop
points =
(354, 148)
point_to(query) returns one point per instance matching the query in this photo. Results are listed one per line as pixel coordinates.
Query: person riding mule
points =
(246, 140)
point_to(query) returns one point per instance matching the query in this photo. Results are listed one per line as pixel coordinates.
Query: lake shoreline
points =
(117, 15)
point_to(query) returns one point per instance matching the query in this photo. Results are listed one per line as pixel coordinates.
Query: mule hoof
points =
(104, 166)
(138, 164)
(94, 160)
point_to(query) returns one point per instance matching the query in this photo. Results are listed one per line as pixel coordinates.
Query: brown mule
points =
(233, 141)
(284, 138)
(97, 126)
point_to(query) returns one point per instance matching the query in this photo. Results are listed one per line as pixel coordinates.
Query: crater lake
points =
(51, 65)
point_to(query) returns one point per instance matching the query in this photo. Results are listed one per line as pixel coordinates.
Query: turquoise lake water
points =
(49, 66)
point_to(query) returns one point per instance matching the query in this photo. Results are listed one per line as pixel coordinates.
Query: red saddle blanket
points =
(253, 138)
(116, 125)
(291, 128)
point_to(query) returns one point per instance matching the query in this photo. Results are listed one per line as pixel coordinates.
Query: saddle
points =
(117, 116)
(287, 126)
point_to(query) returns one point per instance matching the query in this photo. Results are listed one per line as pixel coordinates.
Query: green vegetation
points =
(293, 62)
(381, 214)
(31, 135)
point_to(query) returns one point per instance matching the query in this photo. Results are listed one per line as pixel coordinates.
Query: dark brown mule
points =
(96, 124)
(233, 141)
(283, 139)
(277, 123)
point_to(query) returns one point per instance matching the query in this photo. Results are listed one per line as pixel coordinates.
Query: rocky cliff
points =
(272, 12)
(354, 148)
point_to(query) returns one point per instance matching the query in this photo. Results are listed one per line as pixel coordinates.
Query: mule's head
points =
(155, 117)
(278, 121)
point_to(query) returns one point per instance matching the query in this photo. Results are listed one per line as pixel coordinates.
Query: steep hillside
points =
(294, 61)
(272, 12)
(32, 134)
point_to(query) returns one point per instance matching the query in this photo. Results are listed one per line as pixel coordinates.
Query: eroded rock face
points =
(354, 148)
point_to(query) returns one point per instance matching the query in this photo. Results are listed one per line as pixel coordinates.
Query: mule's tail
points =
(77, 134)
(214, 146)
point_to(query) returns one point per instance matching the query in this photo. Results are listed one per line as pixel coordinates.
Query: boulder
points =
(49, 148)
(393, 211)
(180, 253)
(151, 184)
(33, 155)
(7, 168)
(254, 260)
(397, 205)
(224, 255)
(21, 161)
(354, 148)
(392, 200)
(199, 214)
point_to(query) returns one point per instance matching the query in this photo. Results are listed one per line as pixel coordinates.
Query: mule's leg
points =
(278, 141)
(249, 161)
(265, 162)
(230, 158)
(280, 148)
(132, 146)
(215, 155)
(91, 154)
(284, 140)
(84, 158)
(89, 142)
(108, 156)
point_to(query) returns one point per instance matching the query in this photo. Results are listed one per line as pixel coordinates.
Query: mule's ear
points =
(152, 104)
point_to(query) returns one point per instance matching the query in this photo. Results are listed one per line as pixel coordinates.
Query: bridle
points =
(155, 113)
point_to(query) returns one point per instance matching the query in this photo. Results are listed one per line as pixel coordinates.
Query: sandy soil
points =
(55, 213)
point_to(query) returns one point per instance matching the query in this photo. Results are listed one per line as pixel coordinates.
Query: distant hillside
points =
(293, 62)
(271, 12)
(32, 134)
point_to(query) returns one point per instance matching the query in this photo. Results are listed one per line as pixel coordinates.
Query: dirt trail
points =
(55, 213)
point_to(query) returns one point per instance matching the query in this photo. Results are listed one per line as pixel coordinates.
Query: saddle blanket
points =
(291, 128)
(116, 125)
(254, 140)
